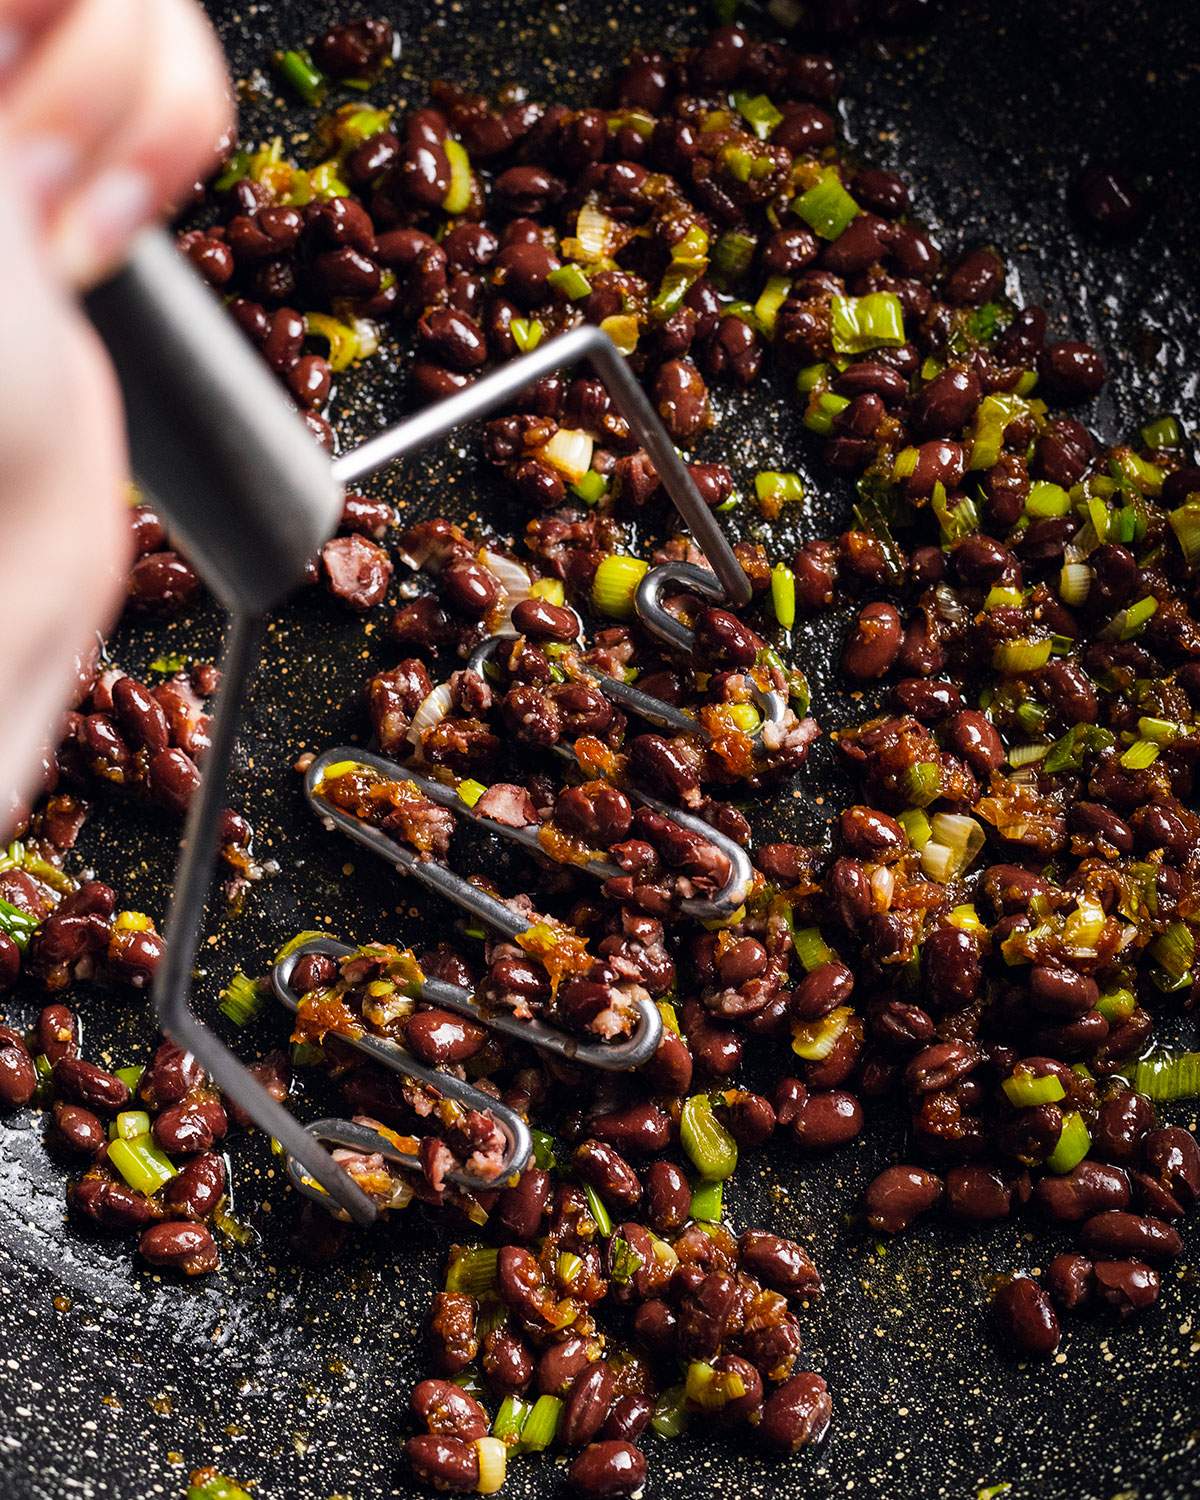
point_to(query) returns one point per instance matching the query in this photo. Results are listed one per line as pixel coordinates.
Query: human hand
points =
(109, 110)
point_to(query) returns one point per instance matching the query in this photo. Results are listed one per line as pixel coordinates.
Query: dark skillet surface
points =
(115, 1382)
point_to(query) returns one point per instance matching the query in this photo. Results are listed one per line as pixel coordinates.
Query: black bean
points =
(1027, 1317)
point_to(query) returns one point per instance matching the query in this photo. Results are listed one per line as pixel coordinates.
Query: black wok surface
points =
(114, 1381)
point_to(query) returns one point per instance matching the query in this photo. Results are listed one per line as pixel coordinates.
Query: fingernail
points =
(100, 220)
(46, 164)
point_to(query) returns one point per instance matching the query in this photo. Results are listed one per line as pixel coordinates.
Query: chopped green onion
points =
(692, 248)
(544, 1153)
(711, 1389)
(733, 254)
(510, 1420)
(307, 1054)
(966, 919)
(527, 333)
(131, 1077)
(983, 323)
(672, 289)
(1017, 657)
(130, 1124)
(957, 520)
(1174, 950)
(771, 299)
(1130, 622)
(870, 322)
(1134, 473)
(1075, 582)
(293, 943)
(819, 416)
(1045, 500)
(922, 783)
(1074, 1143)
(1140, 755)
(301, 72)
(993, 1491)
(1032, 717)
(1025, 1090)
(810, 377)
(1067, 753)
(242, 999)
(624, 1261)
(1116, 1005)
(670, 1413)
(827, 208)
(916, 825)
(591, 487)
(492, 1457)
(598, 1211)
(1002, 597)
(472, 1269)
(541, 1425)
(18, 924)
(1161, 731)
(811, 948)
(458, 194)
(1185, 523)
(207, 1485)
(571, 282)
(1168, 1076)
(469, 791)
(707, 1202)
(615, 585)
(708, 1145)
(778, 489)
(568, 1266)
(992, 418)
(169, 664)
(758, 112)
(1163, 432)
(1026, 755)
(783, 595)
(815, 1040)
(140, 1162)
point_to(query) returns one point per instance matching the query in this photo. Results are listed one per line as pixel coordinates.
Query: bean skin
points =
(1123, 1122)
(870, 834)
(973, 736)
(827, 1119)
(628, 1418)
(1127, 1286)
(587, 1405)
(668, 1197)
(609, 1173)
(899, 1195)
(1069, 1280)
(1119, 1235)
(109, 1203)
(822, 991)
(977, 1195)
(779, 1263)
(1085, 1190)
(637, 1130)
(507, 1363)
(443, 1463)
(57, 1032)
(1026, 1316)
(796, 1413)
(438, 1037)
(84, 1083)
(608, 1468)
(446, 1410)
(873, 643)
(18, 1077)
(79, 1128)
(197, 1188)
(179, 1246)
(560, 1364)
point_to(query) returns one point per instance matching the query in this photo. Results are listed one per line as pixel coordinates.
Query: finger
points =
(167, 139)
(64, 534)
(70, 98)
(23, 25)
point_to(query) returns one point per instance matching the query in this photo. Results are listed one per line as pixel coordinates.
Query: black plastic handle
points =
(212, 439)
